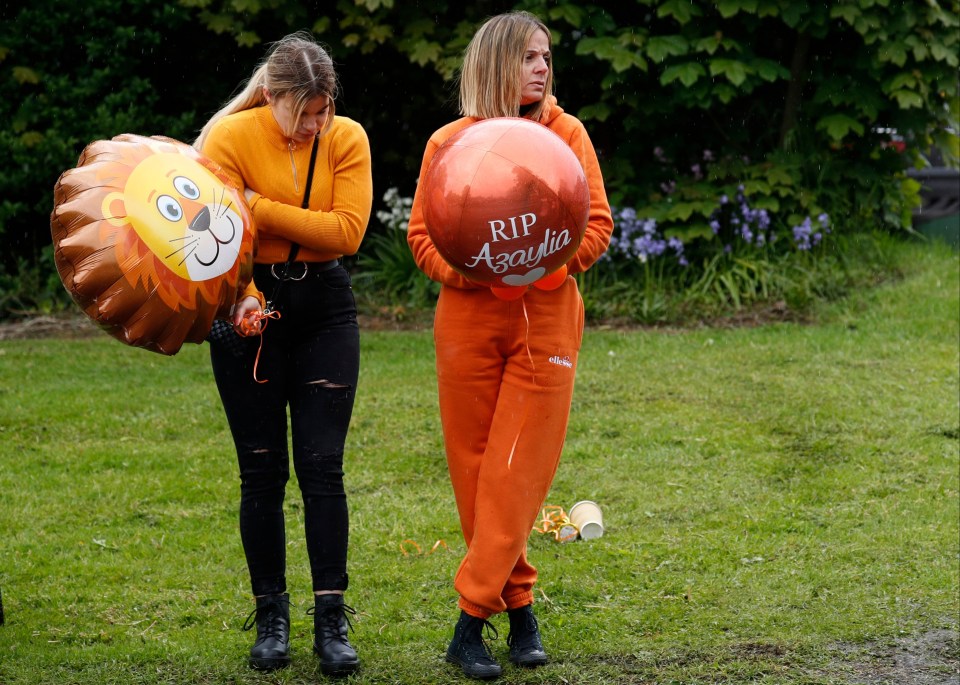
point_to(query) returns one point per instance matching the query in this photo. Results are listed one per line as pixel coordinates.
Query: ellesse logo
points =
(561, 361)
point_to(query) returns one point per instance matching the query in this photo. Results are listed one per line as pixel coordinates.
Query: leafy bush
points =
(813, 108)
(386, 270)
(748, 259)
(103, 68)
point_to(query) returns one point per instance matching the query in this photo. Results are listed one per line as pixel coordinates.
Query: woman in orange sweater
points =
(505, 369)
(307, 180)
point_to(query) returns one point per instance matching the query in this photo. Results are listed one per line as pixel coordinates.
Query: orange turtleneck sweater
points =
(255, 153)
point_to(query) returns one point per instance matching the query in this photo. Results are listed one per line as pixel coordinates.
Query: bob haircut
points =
(296, 66)
(492, 67)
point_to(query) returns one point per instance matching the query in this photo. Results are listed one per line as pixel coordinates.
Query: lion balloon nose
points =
(201, 222)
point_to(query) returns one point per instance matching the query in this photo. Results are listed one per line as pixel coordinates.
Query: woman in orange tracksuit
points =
(505, 369)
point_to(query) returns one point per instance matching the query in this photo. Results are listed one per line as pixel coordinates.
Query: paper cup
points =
(586, 516)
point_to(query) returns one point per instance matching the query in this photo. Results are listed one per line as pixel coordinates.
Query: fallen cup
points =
(588, 519)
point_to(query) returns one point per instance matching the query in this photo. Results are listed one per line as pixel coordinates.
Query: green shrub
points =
(386, 273)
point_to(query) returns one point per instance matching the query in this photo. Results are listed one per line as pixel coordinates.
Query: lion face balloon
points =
(152, 240)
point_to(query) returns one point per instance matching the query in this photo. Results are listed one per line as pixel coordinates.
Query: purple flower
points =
(763, 219)
(639, 238)
(803, 235)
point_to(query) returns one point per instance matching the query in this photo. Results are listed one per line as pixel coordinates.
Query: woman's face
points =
(536, 67)
(310, 123)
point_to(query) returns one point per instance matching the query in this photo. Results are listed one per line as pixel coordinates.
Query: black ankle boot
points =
(526, 649)
(330, 623)
(272, 620)
(469, 651)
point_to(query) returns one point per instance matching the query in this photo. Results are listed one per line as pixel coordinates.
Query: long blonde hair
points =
(295, 66)
(492, 67)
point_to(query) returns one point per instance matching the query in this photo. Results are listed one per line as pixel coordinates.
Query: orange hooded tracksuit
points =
(505, 374)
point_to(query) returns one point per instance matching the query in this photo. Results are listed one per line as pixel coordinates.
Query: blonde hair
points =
(492, 67)
(295, 66)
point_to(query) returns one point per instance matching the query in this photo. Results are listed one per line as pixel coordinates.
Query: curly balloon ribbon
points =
(404, 544)
(554, 521)
(255, 323)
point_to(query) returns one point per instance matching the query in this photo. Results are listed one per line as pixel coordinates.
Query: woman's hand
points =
(243, 309)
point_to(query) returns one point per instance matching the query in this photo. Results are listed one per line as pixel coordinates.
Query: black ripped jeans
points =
(310, 359)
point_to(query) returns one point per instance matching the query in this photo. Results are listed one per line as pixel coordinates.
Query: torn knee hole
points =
(324, 383)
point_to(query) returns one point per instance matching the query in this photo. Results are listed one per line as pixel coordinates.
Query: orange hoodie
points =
(599, 224)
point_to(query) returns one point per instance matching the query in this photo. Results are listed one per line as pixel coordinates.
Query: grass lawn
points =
(781, 506)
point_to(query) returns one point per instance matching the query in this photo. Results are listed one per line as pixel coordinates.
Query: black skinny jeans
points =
(310, 359)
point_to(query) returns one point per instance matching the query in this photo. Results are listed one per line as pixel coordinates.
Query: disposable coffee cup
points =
(586, 516)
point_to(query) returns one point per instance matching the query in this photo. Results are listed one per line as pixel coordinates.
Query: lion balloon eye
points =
(169, 208)
(186, 187)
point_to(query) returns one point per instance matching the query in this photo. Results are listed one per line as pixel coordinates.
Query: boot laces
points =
(473, 642)
(268, 620)
(526, 634)
(331, 621)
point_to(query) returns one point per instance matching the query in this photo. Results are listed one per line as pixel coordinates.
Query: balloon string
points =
(257, 321)
(533, 378)
(526, 341)
(513, 448)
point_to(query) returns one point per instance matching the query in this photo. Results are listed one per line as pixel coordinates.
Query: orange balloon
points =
(152, 240)
(505, 202)
(508, 292)
(552, 281)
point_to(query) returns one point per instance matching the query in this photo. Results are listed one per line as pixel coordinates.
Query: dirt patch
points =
(77, 325)
(932, 658)
(53, 326)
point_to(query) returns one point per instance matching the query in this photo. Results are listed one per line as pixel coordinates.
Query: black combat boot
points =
(272, 620)
(526, 649)
(469, 651)
(330, 623)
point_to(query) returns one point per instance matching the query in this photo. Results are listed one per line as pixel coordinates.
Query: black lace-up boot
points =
(330, 623)
(272, 621)
(526, 649)
(469, 651)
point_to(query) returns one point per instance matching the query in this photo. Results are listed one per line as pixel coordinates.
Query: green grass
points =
(774, 497)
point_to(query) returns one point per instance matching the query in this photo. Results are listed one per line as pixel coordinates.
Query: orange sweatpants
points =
(505, 372)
